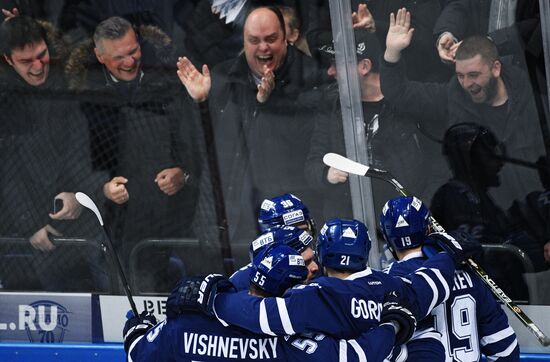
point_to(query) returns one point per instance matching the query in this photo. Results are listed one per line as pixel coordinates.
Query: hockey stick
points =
(87, 202)
(345, 164)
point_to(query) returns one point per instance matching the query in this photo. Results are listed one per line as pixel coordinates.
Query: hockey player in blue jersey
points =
(339, 307)
(284, 210)
(194, 336)
(470, 321)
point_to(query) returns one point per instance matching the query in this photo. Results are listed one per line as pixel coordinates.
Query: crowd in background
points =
(91, 101)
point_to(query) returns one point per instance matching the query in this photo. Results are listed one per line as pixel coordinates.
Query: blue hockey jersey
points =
(471, 322)
(426, 343)
(195, 337)
(342, 308)
(241, 278)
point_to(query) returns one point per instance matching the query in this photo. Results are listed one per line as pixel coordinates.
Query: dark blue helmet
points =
(297, 239)
(276, 268)
(344, 245)
(404, 222)
(282, 210)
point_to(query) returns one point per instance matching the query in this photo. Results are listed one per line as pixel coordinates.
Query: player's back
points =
(196, 337)
(355, 301)
(426, 341)
(471, 322)
(340, 307)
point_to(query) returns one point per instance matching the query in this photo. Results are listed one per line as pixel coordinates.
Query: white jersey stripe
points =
(132, 347)
(285, 319)
(426, 333)
(343, 351)
(498, 336)
(360, 274)
(224, 323)
(432, 285)
(443, 282)
(264, 323)
(504, 353)
(360, 353)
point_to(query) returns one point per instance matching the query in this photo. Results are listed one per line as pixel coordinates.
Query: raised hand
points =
(446, 47)
(266, 85)
(399, 35)
(363, 19)
(10, 14)
(197, 84)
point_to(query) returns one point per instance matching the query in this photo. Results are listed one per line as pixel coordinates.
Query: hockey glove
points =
(184, 297)
(395, 313)
(459, 245)
(209, 288)
(137, 326)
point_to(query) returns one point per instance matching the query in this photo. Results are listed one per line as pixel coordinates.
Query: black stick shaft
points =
(115, 260)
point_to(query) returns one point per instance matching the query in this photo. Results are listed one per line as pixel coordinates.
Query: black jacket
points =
(43, 151)
(397, 146)
(138, 129)
(446, 104)
(261, 147)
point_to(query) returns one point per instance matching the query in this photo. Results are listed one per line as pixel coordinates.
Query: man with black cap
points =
(384, 129)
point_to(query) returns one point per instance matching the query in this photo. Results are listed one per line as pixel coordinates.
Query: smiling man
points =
(43, 156)
(32, 62)
(132, 101)
(261, 120)
(487, 90)
(121, 56)
(25, 50)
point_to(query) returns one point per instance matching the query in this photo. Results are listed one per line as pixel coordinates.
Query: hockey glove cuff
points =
(209, 288)
(459, 245)
(137, 326)
(184, 297)
(394, 312)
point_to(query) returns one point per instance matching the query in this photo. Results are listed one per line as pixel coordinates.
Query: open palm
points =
(400, 31)
(197, 84)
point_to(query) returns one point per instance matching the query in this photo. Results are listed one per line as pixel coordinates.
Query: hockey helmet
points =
(297, 239)
(344, 245)
(404, 222)
(282, 210)
(276, 268)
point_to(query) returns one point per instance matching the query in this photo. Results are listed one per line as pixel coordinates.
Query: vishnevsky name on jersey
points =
(230, 347)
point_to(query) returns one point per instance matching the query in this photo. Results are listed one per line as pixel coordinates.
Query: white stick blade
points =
(345, 164)
(87, 202)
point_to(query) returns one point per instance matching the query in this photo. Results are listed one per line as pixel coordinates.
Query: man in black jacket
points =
(486, 91)
(44, 155)
(393, 140)
(142, 133)
(262, 121)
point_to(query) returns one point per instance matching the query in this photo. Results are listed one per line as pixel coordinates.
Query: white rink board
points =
(114, 309)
